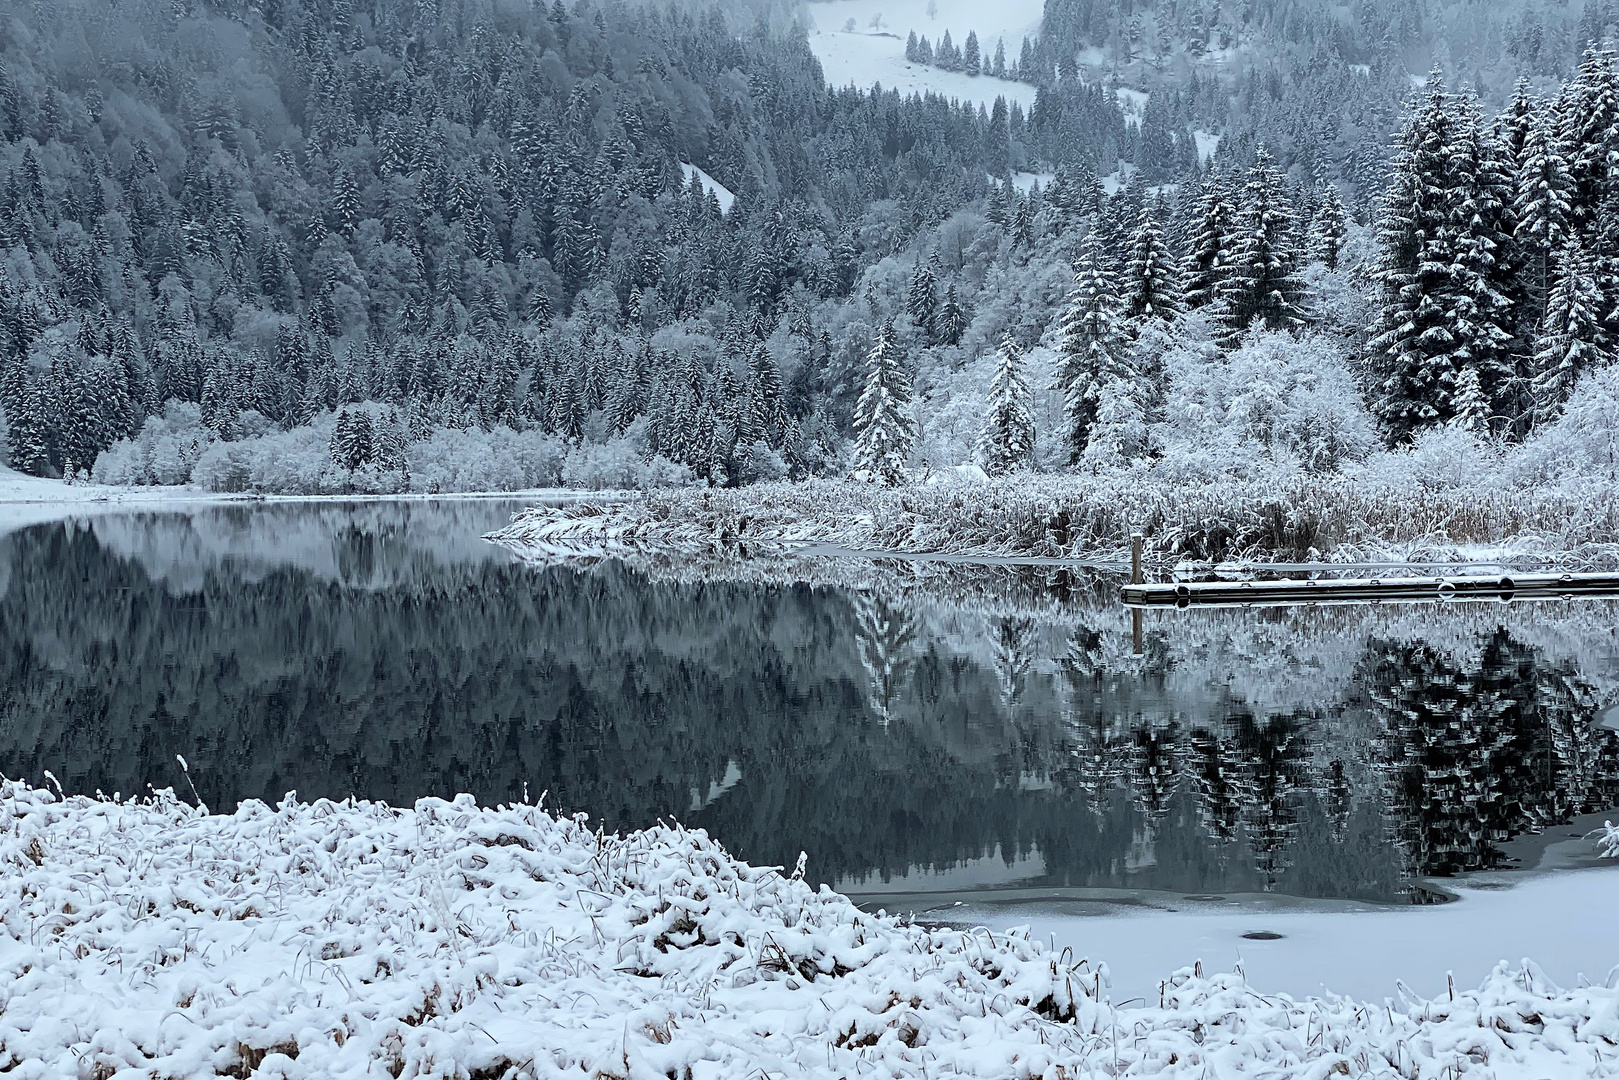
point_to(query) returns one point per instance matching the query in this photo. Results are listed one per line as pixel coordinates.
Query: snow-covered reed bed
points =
(1092, 517)
(153, 939)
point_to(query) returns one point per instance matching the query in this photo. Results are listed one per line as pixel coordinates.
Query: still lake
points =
(913, 730)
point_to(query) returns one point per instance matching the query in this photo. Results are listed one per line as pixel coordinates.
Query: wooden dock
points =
(1497, 588)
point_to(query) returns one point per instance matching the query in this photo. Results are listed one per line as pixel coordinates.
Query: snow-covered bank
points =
(449, 940)
(1091, 517)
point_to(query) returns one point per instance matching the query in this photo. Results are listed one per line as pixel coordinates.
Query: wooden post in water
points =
(1136, 578)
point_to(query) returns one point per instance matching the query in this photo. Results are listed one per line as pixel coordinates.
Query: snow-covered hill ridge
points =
(154, 939)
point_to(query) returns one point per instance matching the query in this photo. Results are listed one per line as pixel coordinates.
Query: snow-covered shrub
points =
(1609, 840)
(1442, 458)
(165, 451)
(762, 464)
(474, 460)
(622, 464)
(1582, 442)
(1275, 400)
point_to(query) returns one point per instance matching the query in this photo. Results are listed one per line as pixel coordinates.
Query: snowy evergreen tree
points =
(1473, 410)
(1572, 336)
(884, 427)
(1544, 207)
(1093, 347)
(1152, 276)
(1007, 442)
(1328, 228)
(1416, 341)
(952, 318)
(1210, 246)
(1262, 286)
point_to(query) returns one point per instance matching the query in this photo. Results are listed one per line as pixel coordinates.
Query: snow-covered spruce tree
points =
(952, 318)
(1572, 337)
(1209, 247)
(1473, 410)
(1093, 347)
(1328, 228)
(1589, 131)
(1152, 277)
(1262, 286)
(1412, 362)
(921, 301)
(883, 425)
(1544, 206)
(1008, 437)
(1488, 292)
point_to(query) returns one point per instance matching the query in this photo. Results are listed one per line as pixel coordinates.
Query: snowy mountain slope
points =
(721, 193)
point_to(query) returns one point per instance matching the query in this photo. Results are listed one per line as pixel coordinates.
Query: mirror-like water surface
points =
(910, 729)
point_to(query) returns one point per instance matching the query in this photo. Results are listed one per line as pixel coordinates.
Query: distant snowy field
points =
(877, 54)
(340, 940)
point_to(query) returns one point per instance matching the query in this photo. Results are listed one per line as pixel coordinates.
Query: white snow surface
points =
(154, 939)
(863, 58)
(1365, 952)
(722, 194)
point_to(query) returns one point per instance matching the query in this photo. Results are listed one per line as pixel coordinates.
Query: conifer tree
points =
(952, 318)
(1007, 442)
(1152, 276)
(1544, 207)
(1572, 337)
(1262, 285)
(921, 302)
(1472, 404)
(1209, 249)
(1092, 347)
(883, 425)
(1328, 228)
(1413, 364)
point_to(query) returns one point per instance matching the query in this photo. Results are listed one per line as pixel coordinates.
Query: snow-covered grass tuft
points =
(153, 939)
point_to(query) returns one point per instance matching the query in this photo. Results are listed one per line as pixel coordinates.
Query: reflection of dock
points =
(1398, 590)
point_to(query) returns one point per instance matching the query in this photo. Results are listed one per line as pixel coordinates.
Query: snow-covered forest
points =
(337, 246)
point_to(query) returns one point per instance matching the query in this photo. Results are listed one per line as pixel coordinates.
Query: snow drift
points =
(150, 938)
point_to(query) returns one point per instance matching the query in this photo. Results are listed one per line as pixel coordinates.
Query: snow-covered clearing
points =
(152, 939)
(1025, 181)
(1134, 104)
(721, 193)
(1009, 22)
(1207, 145)
(876, 53)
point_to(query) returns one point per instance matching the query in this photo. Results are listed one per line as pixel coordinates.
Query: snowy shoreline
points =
(351, 939)
(1091, 519)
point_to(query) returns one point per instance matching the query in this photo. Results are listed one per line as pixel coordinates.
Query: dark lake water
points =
(907, 728)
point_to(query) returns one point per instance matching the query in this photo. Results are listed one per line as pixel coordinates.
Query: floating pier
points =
(1497, 588)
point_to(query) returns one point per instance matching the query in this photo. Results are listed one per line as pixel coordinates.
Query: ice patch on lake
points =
(722, 194)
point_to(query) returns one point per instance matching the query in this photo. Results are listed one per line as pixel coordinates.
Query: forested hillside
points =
(331, 245)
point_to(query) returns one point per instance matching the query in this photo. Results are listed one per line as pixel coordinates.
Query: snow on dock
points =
(153, 939)
(1492, 587)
